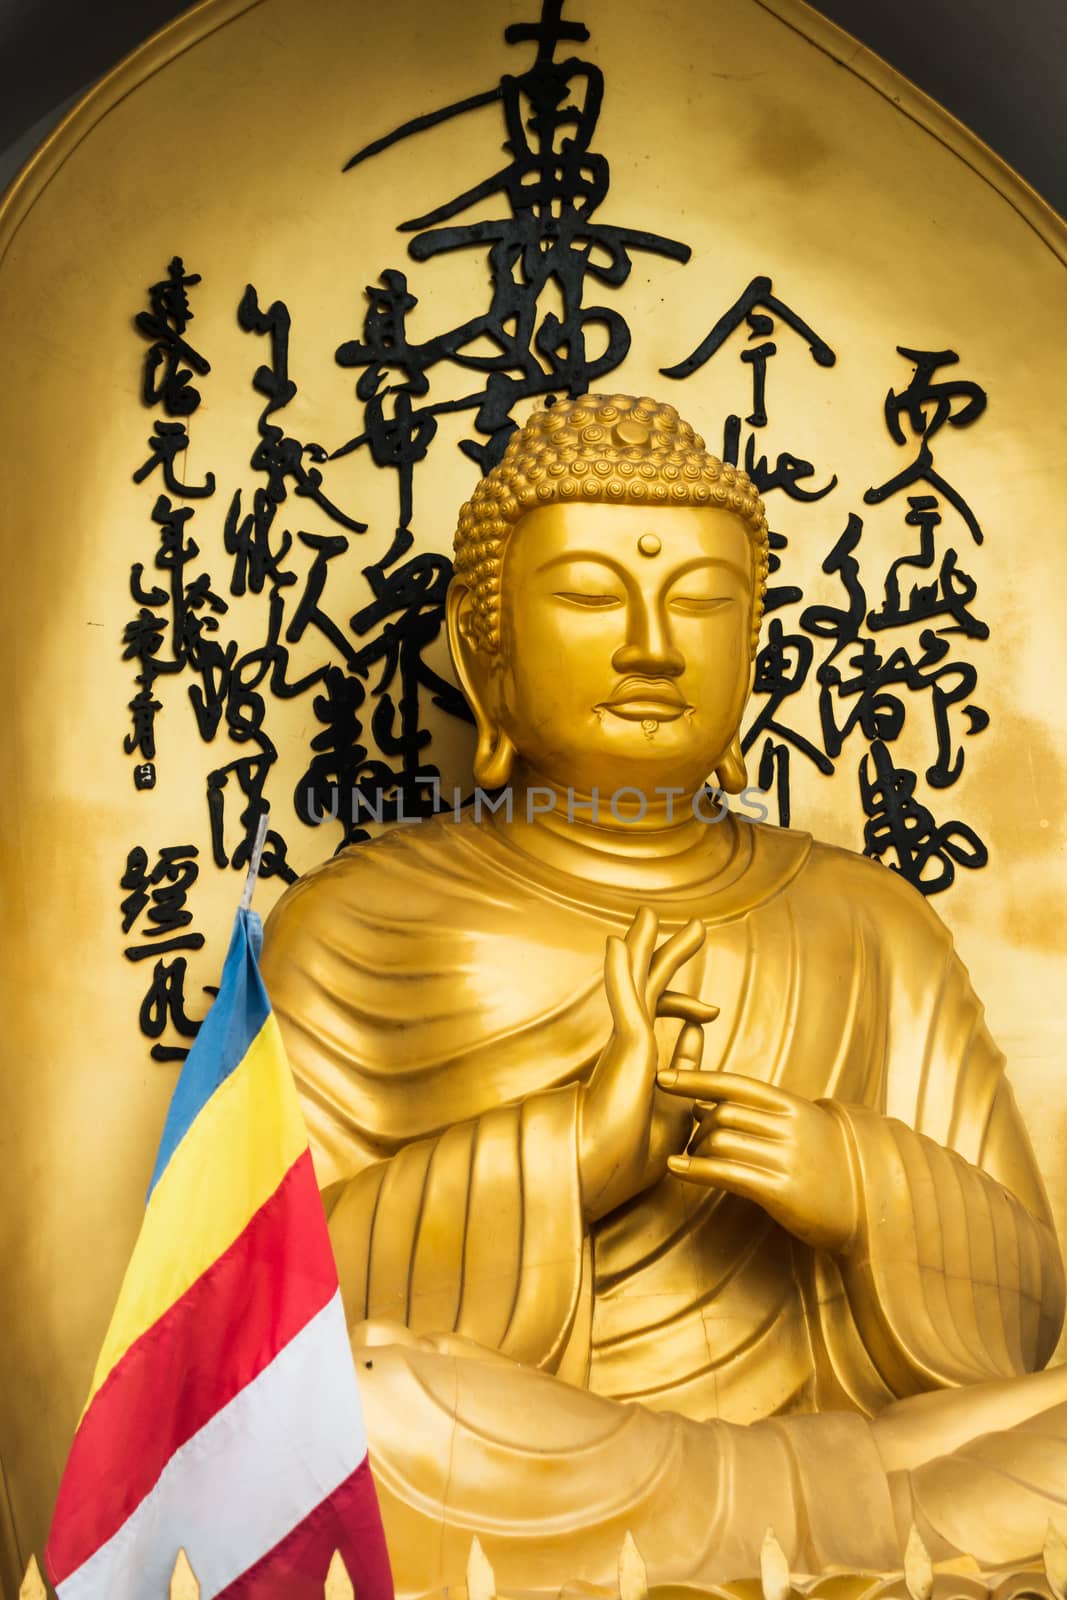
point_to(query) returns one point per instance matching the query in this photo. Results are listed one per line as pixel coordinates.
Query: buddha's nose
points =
(651, 656)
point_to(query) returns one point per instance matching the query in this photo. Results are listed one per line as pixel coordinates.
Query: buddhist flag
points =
(224, 1415)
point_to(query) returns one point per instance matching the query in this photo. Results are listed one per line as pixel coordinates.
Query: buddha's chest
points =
(799, 1002)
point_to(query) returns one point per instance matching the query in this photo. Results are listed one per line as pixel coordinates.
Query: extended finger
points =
(624, 997)
(742, 1119)
(728, 1086)
(640, 940)
(726, 1145)
(672, 1003)
(688, 1051)
(685, 1082)
(672, 954)
(752, 1183)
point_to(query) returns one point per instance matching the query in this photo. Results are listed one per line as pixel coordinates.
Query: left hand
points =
(788, 1154)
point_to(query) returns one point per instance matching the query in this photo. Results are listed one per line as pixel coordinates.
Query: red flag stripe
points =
(224, 1331)
(347, 1520)
(253, 1473)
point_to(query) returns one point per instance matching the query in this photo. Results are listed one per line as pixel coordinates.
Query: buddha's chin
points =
(648, 734)
(637, 753)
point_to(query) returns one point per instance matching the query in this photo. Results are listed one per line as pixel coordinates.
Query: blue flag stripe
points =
(237, 1016)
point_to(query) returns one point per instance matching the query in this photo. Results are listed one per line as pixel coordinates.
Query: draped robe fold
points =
(442, 998)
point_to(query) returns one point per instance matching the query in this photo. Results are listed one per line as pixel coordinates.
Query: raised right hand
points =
(627, 1127)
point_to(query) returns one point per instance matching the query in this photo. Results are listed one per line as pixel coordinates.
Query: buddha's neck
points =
(668, 847)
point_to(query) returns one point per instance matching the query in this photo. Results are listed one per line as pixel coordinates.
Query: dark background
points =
(999, 65)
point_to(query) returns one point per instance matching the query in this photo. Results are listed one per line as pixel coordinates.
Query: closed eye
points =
(697, 604)
(591, 602)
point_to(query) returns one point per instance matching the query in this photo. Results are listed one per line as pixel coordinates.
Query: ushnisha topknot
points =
(602, 448)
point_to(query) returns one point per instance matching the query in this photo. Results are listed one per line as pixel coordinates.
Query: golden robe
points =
(442, 998)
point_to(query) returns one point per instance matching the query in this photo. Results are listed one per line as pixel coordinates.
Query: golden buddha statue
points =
(674, 1179)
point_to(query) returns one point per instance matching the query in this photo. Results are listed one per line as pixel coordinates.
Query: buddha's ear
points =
(478, 672)
(751, 679)
(472, 669)
(731, 770)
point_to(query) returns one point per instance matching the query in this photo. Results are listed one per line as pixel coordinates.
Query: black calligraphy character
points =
(143, 707)
(168, 441)
(401, 437)
(309, 613)
(782, 667)
(251, 773)
(165, 889)
(413, 597)
(195, 607)
(928, 407)
(757, 306)
(778, 594)
(341, 782)
(899, 822)
(948, 594)
(773, 775)
(165, 324)
(385, 344)
(143, 635)
(248, 539)
(208, 697)
(165, 1004)
(833, 622)
(271, 380)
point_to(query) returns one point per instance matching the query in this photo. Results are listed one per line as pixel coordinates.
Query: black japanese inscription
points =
(261, 595)
(164, 1005)
(168, 441)
(864, 688)
(164, 378)
(553, 184)
(898, 822)
(159, 893)
(928, 407)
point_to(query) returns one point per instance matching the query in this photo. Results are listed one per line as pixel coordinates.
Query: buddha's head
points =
(606, 606)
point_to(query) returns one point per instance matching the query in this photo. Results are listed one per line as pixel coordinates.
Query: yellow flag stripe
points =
(228, 1164)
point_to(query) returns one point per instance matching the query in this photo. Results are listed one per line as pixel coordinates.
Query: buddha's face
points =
(624, 657)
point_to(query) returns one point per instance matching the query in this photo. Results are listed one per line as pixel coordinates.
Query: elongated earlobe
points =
(494, 758)
(494, 754)
(731, 771)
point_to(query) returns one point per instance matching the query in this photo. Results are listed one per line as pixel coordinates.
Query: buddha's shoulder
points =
(406, 874)
(836, 879)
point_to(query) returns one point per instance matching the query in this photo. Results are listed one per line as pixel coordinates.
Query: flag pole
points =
(256, 858)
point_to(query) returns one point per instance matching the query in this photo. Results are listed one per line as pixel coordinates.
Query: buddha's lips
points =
(646, 700)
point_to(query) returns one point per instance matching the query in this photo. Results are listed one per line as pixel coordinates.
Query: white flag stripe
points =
(250, 1476)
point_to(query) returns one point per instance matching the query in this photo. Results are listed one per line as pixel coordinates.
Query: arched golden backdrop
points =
(735, 128)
